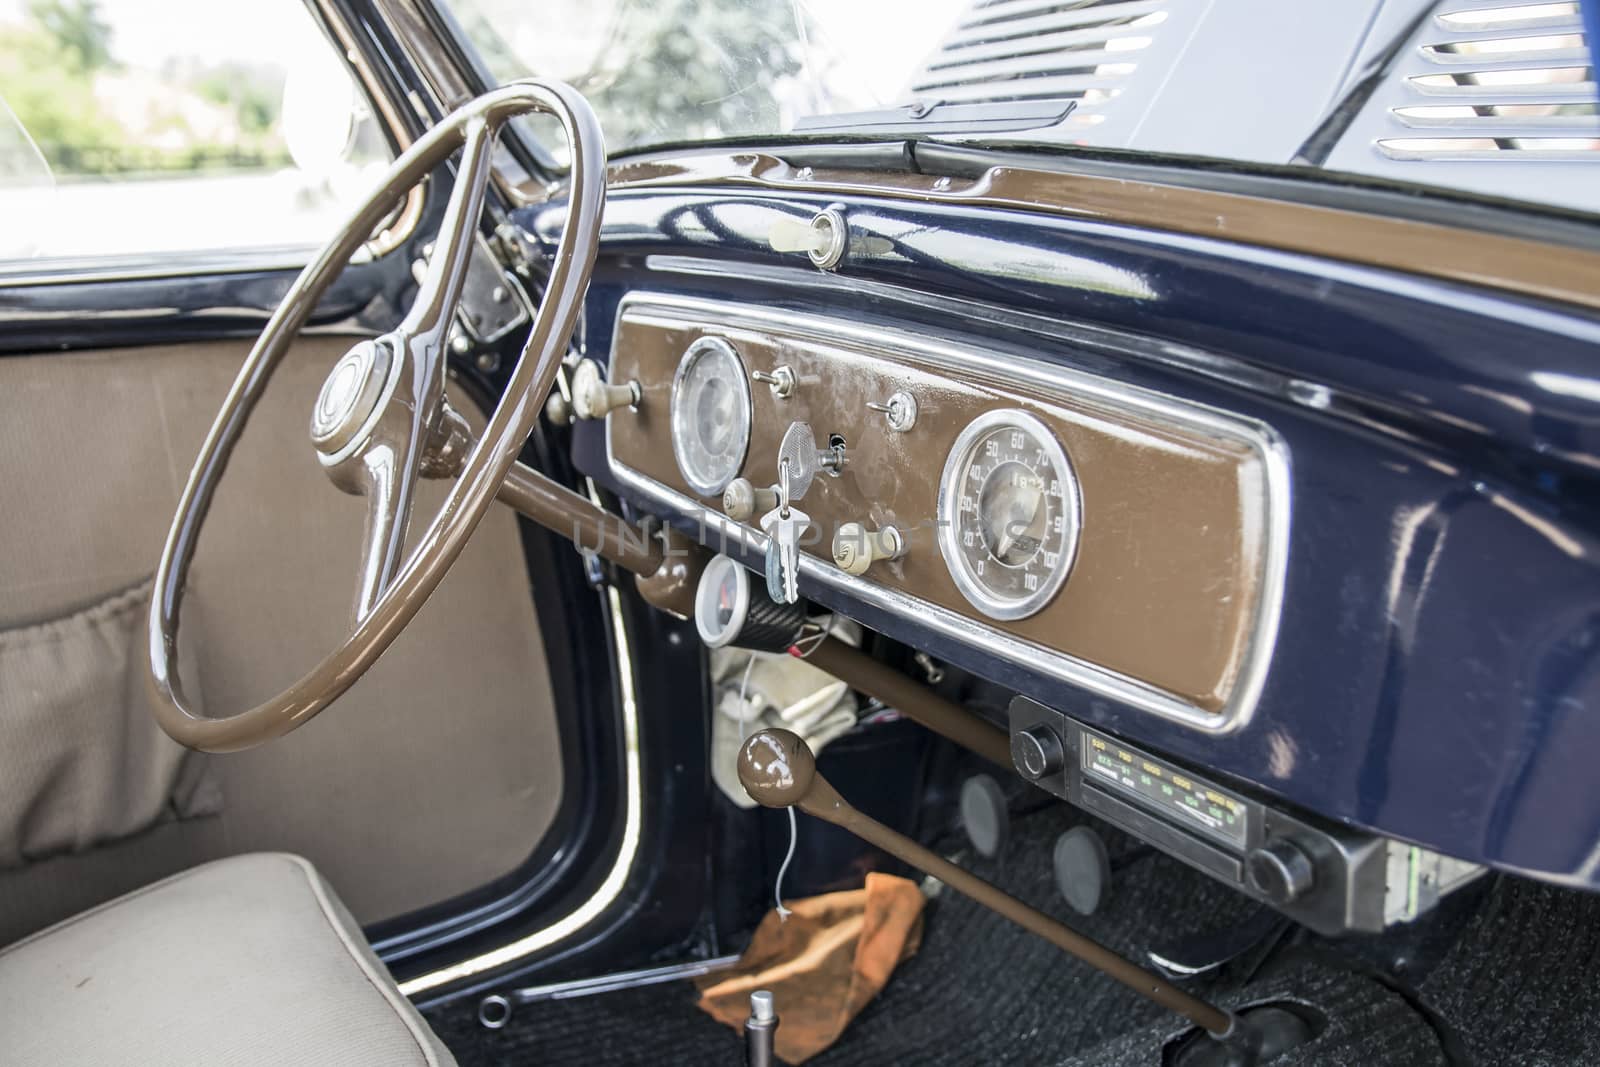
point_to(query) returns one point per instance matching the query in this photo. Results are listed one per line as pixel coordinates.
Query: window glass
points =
(162, 126)
(661, 71)
(1493, 97)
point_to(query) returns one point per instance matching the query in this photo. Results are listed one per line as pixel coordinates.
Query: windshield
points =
(1467, 94)
(666, 71)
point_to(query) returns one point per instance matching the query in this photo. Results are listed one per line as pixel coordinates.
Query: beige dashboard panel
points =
(1175, 568)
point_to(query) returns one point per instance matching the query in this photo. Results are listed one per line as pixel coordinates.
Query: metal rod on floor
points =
(779, 770)
(494, 1011)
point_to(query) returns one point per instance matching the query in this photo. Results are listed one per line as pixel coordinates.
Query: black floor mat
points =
(983, 991)
(1520, 986)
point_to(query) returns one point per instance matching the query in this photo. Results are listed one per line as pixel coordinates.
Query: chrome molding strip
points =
(77, 270)
(1049, 380)
(611, 887)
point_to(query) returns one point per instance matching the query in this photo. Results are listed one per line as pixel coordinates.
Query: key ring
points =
(783, 488)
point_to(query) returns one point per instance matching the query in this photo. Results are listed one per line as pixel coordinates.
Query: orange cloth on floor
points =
(823, 964)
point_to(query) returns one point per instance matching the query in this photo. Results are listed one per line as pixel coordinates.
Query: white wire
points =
(777, 889)
(744, 703)
(816, 639)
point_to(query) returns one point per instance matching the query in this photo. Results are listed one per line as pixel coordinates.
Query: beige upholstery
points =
(249, 960)
(437, 773)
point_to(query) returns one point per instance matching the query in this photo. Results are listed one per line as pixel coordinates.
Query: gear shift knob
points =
(776, 768)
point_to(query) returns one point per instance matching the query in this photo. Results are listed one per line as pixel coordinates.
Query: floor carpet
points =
(1514, 984)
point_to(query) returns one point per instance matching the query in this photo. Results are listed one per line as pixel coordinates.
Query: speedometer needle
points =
(1019, 521)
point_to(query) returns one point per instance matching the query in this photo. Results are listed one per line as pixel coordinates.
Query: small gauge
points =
(730, 609)
(1008, 514)
(710, 415)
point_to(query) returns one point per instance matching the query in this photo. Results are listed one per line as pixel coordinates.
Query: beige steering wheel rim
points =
(391, 593)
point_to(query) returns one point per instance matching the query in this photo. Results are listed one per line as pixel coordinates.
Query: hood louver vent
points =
(1491, 81)
(1481, 84)
(1003, 50)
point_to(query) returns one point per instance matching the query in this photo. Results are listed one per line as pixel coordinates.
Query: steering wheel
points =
(381, 420)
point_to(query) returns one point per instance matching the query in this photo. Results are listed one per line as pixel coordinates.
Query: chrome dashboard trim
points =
(1049, 379)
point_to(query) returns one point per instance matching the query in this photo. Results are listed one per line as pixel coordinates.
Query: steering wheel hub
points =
(351, 396)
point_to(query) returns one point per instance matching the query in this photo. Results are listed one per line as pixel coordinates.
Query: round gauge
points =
(731, 608)
(722, 601)
(1008, 514)
(710, 415)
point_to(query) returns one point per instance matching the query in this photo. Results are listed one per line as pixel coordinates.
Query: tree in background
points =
(47, 68)
(688, 70)
(669, 70)
(190, 114)
(82, 37)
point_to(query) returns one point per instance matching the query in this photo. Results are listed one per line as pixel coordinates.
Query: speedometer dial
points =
(1008, 514)
(710, 415)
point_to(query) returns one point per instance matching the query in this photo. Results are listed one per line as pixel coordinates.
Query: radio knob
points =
(855, 548)
(1279, 871)
(592, 398)
(743, 501)
(1038, 752)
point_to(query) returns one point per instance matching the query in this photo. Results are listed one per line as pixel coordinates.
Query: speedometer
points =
(710, 415)
(1009, 510)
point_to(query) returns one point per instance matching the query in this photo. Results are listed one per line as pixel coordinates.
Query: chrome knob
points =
(1279, 871)
(742, 501)
(855, 548)
(1038, 752)
(900, 411)
(781, 380)
(592, 398)
(823, 238)
(558, 409)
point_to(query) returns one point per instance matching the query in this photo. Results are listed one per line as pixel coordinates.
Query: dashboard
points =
(1124, 541)
(1307, 531)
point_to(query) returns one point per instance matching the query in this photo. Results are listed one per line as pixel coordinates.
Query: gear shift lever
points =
(779, 770)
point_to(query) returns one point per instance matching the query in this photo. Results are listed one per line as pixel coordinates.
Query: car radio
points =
(1331, 879)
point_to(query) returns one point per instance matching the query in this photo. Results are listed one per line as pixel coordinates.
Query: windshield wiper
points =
(1004, 116)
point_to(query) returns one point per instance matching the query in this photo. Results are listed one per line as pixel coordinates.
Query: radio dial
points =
(1280, 871)
(1038, 752)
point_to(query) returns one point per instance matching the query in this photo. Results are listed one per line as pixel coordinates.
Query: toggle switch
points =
(742, 501)
(855, 548)
(781, 380)
(899, 411)
(592, 398)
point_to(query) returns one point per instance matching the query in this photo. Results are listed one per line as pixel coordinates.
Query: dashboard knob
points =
(1279, 871)
(592, 398)
(1038, 752)
(855, 548)
(900, 411)
(781, 380)
(742, 501)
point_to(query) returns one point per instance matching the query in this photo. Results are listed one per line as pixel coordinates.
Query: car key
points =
(783, 526)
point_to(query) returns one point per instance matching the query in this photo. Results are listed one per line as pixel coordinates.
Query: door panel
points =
(437, 773)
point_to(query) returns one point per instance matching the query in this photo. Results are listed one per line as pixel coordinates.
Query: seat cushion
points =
(248, 960)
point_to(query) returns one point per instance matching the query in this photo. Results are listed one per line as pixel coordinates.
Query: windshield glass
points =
(662, 71)
(1493, 98)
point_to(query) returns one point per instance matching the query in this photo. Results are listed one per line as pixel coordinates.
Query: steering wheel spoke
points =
(389, 479)
(440, 289)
